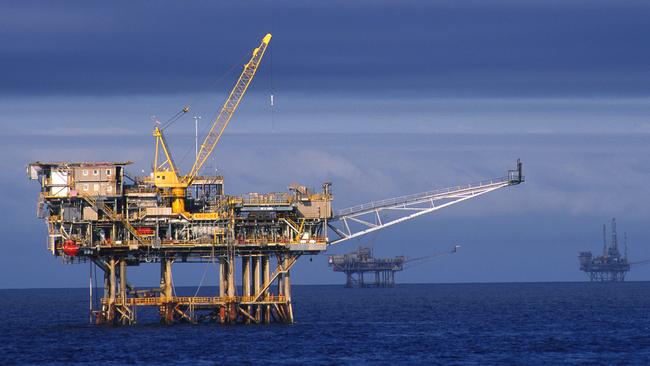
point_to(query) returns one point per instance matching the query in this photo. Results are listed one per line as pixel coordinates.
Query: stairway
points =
(100, 205)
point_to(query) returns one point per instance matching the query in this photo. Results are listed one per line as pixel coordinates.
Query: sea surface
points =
(447, 324)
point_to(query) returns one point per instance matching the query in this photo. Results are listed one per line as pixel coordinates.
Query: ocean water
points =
(447, 324)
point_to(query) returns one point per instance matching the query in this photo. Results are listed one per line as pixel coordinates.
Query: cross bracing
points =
(362, 219)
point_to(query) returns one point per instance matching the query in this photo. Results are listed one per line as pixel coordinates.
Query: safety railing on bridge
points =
(514, 176)
(420, 196)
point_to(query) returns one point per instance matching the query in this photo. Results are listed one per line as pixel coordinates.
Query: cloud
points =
(468, 49)
(323, 114)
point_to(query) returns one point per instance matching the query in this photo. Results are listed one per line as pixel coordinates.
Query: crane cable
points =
(175, 117)
(186, 108)
(197, 99)
(205, 271)
(271, 91)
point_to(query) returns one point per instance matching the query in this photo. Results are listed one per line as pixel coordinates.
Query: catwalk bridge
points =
(362, 219)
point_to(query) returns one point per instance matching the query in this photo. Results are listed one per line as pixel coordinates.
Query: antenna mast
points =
(614, 241)
(605, 240)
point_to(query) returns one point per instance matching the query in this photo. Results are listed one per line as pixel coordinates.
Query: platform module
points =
(611, 266)
(357, 265)
(361, 264)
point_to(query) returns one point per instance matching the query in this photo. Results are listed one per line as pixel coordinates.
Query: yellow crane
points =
(165, 172)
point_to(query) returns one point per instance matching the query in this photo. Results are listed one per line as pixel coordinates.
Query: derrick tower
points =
(611, 266)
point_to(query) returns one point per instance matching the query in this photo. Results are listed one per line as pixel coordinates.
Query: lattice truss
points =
(363, 219)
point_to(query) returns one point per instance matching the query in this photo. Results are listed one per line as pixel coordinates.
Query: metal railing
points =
(421, 196)
(194, 300)
(137, 189)
(267, 199)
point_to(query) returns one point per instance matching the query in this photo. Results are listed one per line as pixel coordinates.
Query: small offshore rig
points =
(357, 264)
(611, 266)
(97, 212)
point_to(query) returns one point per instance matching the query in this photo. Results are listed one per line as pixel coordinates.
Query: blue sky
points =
(380, 98)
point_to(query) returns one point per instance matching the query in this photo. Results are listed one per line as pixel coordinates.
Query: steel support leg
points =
(257, 313)
(166, 291)
(110, 316)
(287, 290)
(267, 277)
(232, 306)
(246, 282)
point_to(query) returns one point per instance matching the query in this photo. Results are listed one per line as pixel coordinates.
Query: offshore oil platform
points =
(357, 264)
(97, 212)
(611, 266)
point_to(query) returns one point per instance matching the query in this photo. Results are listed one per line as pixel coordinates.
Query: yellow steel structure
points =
(96, 212)
(166, 174)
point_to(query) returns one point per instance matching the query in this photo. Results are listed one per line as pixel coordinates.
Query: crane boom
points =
(228, 109)
(165, 172)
